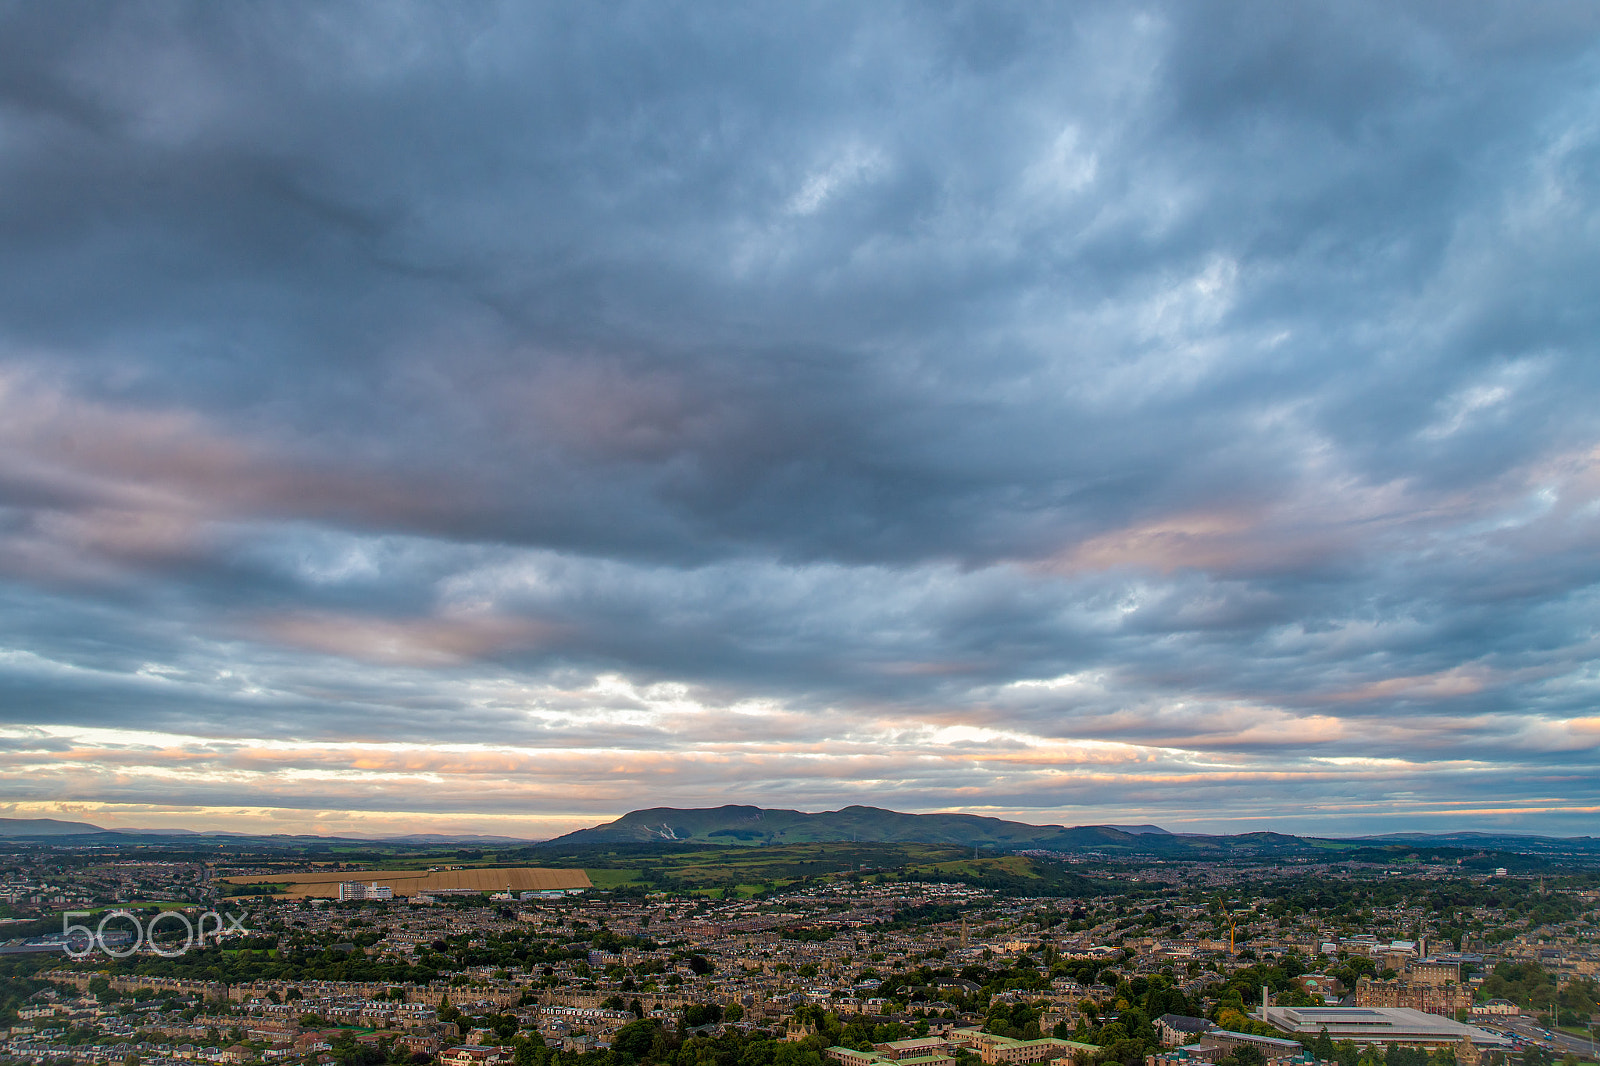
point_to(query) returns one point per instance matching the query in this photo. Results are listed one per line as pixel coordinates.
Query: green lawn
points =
(612, 878)
(164, 905)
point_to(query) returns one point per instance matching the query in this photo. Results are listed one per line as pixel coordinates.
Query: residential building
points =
(1176, 1030)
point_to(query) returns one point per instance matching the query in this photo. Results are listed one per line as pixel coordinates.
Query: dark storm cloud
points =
(1211, 378)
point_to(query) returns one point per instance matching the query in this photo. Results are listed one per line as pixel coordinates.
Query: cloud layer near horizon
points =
(420, 414)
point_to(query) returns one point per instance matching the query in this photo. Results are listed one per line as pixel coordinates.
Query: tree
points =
(698, 1014)
(805, 1053)
(530, 1052)
(1399, 1055)
(1128, 1052)
(637, 1037)
(1017, 1020)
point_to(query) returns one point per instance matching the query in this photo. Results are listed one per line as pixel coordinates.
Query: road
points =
(1561, 1042)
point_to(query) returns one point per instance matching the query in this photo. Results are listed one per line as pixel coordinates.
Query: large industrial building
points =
(1381, 1025)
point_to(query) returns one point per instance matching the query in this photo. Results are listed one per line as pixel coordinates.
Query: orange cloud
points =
(1442, 685)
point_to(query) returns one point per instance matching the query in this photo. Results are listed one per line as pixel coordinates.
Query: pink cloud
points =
(433, 641)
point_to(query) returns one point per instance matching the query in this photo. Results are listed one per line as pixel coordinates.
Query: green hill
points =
(747, 825)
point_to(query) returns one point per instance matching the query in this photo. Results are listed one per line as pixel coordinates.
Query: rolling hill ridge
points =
(749, 825)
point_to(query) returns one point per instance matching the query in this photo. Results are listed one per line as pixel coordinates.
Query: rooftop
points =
(1386, 1024)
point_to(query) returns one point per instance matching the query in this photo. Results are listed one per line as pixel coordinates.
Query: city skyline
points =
(497, 419)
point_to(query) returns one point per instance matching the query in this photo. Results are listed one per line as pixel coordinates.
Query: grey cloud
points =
(859, 361)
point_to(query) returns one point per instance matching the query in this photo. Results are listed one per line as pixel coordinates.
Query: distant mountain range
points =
(44, 827)
(48, 828)
(750, 826)
(756, 825)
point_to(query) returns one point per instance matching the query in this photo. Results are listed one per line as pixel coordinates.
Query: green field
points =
(749, 871)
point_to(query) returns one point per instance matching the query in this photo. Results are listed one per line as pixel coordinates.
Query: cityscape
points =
(800, 533)
(1295, 952)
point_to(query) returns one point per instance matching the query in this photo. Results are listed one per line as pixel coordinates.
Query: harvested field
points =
(325, 883)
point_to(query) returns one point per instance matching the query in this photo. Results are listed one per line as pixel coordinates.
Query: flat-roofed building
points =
(349, 890)
(1272, 1048)
(1380, 1025)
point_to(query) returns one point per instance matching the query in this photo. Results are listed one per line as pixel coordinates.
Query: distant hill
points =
(13, 828)
(450, 838)
(755, 825)
(1517, 843)
(32, 828)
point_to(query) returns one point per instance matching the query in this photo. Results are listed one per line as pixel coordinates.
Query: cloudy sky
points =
(499, 417)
